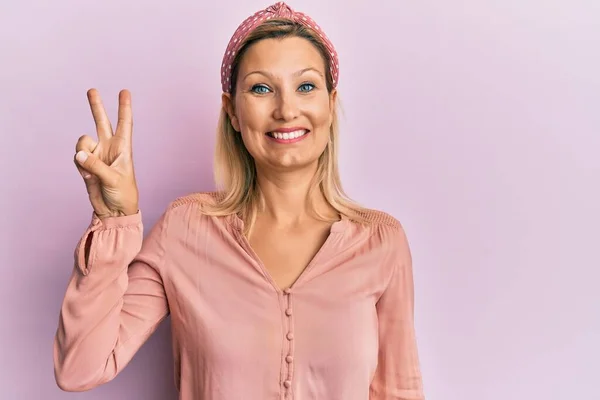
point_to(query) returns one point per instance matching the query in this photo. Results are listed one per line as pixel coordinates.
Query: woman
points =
(277, 285)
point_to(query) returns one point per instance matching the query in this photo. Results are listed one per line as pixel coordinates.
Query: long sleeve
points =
(398, 375)
(114, 301)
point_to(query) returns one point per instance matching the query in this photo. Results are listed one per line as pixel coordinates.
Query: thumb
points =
(95, 166)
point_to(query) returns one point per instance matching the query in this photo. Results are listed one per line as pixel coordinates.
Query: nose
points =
(286, 106)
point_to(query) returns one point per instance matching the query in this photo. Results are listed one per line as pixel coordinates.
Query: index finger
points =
(125, 116)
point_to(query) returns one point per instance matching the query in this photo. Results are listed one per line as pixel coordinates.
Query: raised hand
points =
(106, 164)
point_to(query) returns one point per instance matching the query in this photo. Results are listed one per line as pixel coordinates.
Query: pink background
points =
(476, 123)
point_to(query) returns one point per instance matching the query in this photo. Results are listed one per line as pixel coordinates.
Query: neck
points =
(286, 196)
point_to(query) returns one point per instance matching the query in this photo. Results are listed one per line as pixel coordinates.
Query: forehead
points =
(290, 53)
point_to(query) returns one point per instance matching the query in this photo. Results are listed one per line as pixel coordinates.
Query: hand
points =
(107, 164)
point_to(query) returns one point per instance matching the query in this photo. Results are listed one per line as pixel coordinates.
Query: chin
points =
(291, 163)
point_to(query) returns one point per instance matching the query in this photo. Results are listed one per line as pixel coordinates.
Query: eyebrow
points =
(297, 73)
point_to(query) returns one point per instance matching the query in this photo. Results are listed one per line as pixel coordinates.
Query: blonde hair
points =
(234, 167)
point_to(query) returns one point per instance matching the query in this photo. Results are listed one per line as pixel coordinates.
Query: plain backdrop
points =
(476, 123)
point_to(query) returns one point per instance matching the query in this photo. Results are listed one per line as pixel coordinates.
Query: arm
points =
(398, 375)
(114, 301)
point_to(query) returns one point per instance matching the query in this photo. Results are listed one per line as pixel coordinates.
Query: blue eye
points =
(256, 88)
(307, 87)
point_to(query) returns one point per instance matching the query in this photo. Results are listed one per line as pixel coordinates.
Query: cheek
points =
(252, 115)
(319, 112)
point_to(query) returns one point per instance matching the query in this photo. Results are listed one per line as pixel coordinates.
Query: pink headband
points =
(278, 10)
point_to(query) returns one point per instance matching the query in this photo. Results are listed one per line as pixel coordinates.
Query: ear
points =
(332, 102)
(227, 104)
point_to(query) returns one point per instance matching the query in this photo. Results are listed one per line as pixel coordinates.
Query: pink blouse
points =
(343, 331)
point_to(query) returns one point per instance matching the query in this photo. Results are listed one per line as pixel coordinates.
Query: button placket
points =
(289, 357)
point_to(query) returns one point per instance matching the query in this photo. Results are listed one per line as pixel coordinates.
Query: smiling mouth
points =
(288, 136)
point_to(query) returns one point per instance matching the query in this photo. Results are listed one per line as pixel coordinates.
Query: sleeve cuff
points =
(100, 225)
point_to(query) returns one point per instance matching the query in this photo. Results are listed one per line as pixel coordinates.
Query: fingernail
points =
(86, 175)
(81, 156)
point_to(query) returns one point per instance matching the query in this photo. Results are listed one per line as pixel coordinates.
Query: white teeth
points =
(288, 135)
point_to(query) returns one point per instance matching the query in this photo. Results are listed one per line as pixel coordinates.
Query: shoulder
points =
(196, 199)
(376, 219)
(381, 227)
(191, 206)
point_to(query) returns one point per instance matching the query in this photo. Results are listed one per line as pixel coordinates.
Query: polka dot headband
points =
(278, 10)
